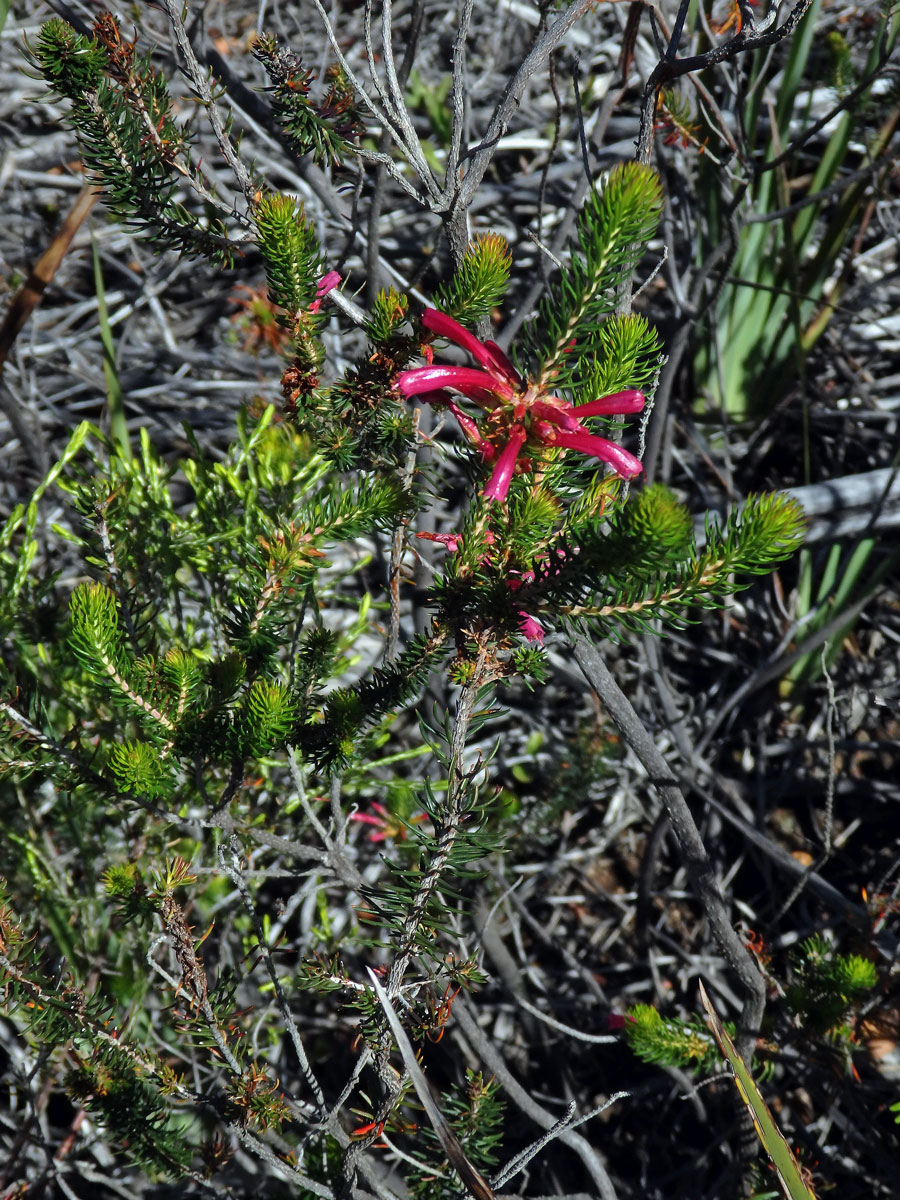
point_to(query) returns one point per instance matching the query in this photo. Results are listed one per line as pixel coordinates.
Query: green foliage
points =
(429, 872)
(793, 1183)
(627, 355)
(212, 717)
(97, 639)
(480, 281)
(131, 145)
(138, 767)
(614, 227)
(113, 1089)
(329, 735)
(767, 530)
(666, 1040)
(291, 252)
(124, 886)
(189, 696)
(271, 712)
(323, 130)
(827, 986)
(258, 1100)
(388, 314)
(844, 74)
(789, 274)
(359, 423)
(72, 64)
(619, 566)
(654, 532)
(431, 99)
(96, 636)
(475, 1113)
(123, 1088)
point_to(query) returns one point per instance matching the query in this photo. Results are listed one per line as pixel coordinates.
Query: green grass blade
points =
(769, 1134)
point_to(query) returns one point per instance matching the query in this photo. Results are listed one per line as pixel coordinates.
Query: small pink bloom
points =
(472, 432)
(532, 630)
(450, 541)
(380, 822)
(386, 824)
(325, 285)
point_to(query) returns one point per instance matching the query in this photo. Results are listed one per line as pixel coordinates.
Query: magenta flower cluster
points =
(518, 414)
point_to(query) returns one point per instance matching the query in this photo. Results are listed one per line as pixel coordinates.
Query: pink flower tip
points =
(325, 285)
(488, 354)
(618, 404)
(531, 629)
(621, 461)
(501, 477)
(450, 541)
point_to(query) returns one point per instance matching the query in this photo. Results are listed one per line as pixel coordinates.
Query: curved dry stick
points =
(29, 294)
(461, 198)
(694, 856)
(670, 68)
(23, 305)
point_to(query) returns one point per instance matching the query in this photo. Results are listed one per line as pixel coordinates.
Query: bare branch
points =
(695, 858)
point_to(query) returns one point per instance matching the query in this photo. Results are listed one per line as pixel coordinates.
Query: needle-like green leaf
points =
(783, 1159)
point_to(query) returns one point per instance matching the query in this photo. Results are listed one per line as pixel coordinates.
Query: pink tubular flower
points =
(531, 629)
(517, 412)
(450, 541)
(386, 824)
(498, 485)
(325, 285)
(620, 460)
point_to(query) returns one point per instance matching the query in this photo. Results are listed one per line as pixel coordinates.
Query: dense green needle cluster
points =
(291, 253)
(323, 130)
(480, 283)
(827, 988)
(131, 144)
(614, 227)
(824, 992)
(667, 1040)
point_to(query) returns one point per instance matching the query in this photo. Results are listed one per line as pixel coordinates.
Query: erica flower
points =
(531, 629)
(325, 285)
(386, 824)
(517, 413)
